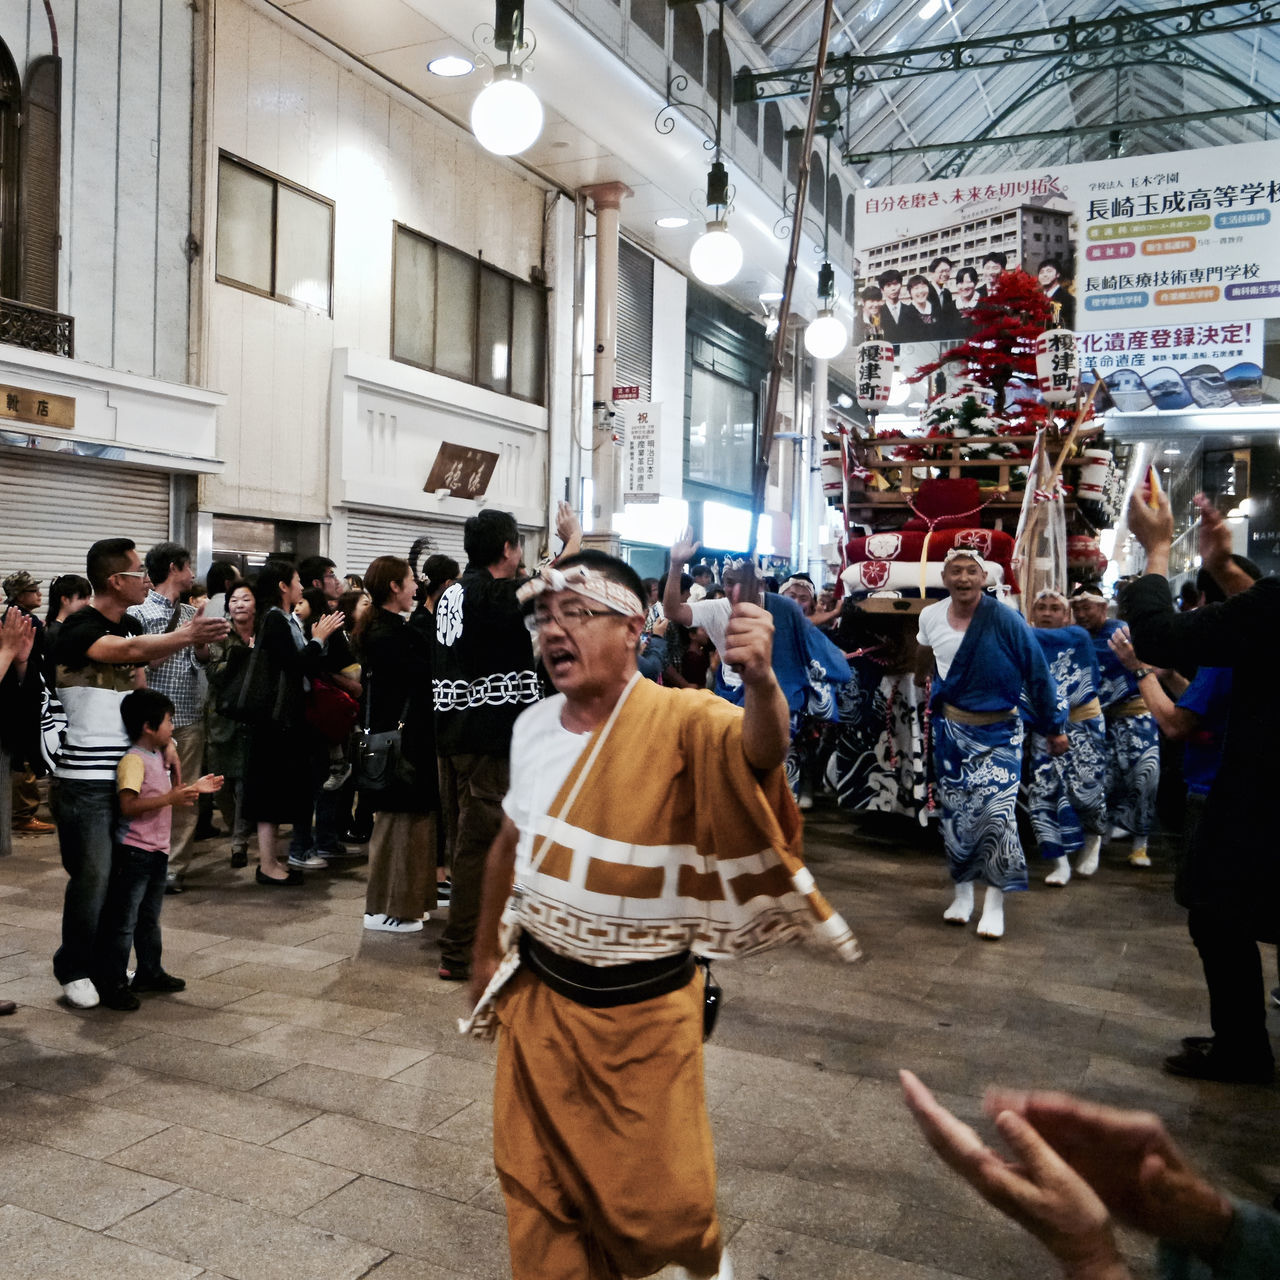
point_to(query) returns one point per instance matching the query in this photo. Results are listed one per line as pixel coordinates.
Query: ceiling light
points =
(673, 220)
(826, 337)
(716, 257)
(771, 297)
(506, 117)
(451, 65)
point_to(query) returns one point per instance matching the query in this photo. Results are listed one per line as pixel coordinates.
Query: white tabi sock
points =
(992, 923)
(961, 907)
(1138, 855)
(1061, 872)
(1088, 863)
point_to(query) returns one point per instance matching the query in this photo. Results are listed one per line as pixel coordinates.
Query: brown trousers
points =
(402, 865)
(601, 1137)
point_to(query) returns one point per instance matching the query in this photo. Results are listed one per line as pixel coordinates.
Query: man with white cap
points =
(643, 824)
(1067, 793)
(1133, 738)
(983, 661)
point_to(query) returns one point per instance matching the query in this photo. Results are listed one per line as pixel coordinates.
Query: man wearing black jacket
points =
(484, 676)
(1232, 880)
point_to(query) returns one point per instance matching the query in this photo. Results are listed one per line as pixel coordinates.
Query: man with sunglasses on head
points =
(100, 655)
(643, 824)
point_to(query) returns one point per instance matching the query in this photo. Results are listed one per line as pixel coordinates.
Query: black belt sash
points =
(606, 986)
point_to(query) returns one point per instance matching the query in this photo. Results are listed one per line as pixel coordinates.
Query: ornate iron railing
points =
(36, 328)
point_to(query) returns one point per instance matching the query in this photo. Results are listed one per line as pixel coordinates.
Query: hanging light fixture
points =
(826, 337)
(716, 257)
(506, 116)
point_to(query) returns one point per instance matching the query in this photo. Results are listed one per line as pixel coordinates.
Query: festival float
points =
(1007, 461)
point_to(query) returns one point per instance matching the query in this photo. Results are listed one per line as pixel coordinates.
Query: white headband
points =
(584, 581)
(1049, 591)
(956, 552)
(1090, 596)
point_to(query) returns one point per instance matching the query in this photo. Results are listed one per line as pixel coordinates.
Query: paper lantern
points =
(1057, 370)
(875, 375)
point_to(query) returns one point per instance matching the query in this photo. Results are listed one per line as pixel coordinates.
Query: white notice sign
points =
(644, 420)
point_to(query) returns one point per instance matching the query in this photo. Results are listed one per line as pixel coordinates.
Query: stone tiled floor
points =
(305, 1110)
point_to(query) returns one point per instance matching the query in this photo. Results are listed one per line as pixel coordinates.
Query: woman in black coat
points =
(278, 784)
(396, 662)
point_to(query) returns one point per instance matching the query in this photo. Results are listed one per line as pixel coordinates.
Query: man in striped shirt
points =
(97, 655)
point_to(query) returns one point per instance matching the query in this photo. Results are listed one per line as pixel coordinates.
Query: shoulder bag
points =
(379, 761)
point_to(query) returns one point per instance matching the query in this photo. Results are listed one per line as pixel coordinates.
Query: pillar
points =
(607, 438)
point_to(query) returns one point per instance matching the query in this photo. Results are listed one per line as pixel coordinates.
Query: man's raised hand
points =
(683, 550)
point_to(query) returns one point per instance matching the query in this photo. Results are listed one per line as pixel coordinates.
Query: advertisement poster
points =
(1160, 244)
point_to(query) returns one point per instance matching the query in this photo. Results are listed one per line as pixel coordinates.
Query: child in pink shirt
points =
(140, 853)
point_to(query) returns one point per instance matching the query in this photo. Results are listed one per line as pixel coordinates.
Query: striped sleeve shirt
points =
(92, 692)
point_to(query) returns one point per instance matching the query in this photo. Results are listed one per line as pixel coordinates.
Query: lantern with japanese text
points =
(1057, 371)
(875, 375)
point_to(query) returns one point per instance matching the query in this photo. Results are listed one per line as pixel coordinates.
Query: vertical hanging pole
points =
(769, 418)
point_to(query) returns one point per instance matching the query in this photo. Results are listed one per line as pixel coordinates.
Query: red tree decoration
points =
(1001, 348)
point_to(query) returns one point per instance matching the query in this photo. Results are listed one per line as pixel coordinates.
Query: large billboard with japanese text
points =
(1160, 241)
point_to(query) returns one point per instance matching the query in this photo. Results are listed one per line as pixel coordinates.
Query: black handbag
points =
(379, 758)
(710, 997)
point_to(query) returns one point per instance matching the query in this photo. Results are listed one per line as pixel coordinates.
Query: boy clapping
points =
(140, 853)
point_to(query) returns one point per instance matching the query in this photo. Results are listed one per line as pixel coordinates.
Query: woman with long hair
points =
(278, 780)
(226, 739)
(397, 678)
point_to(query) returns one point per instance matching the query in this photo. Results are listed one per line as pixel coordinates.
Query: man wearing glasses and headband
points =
(1133, 739)
(97, 654)
(643, 825)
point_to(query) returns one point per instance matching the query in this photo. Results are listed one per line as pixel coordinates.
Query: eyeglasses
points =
(570, 618)
(131, 573)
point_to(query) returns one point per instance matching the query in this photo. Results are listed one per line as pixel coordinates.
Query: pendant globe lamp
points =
(507, 116)
(826, 337)
(716, 257)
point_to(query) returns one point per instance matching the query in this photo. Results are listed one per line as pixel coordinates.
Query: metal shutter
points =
(635, 320)
(372, 533)
(53, 507)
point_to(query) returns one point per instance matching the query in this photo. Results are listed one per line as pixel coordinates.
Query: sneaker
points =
(1138, 858)
(453, 972)
(121, 999)
(310, 861)
(391, 924)
(338, 774)
(444, 890)
(173, 884)
(80, 994)
(158, 982)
